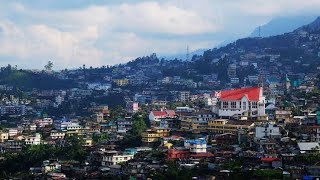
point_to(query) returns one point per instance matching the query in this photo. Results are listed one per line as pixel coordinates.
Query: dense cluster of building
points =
(261, 112)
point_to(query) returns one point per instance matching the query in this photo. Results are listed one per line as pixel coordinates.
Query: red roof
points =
(167, 113)
(170, 113)
(269, 159)
(159, 113)
(251, 93)
(199, 155)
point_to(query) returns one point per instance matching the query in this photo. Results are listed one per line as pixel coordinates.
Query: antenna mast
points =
(259, 31)
(187, 55)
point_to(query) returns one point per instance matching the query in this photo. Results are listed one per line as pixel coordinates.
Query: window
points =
(225, 105)
(254, 105)
(240, 105)
(244, 106)
(233, 105)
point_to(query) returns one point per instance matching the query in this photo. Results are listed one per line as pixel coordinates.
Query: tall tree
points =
(138, 125)
(48, 66)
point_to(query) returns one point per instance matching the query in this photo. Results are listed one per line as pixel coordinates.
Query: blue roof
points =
(196, 141)
(131, 149)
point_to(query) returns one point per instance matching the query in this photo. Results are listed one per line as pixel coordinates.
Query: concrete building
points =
(33, 140)
(158, 115)
(267, 131)
(113, 158)
(222, 126)
(247, 101)
(154, 135)
(54, 134)
(184, 96)
(196, 145)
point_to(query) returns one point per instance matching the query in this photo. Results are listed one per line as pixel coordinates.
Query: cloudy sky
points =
(105, 32)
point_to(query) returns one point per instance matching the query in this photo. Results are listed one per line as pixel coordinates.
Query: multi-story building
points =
(73, 128)
(13, 132)
(247, 101)
(33, 140)
(315, 135)
(54, 134)
(158, 115)
(170, 123)
(283, 116)
(186, 121)
(99, 117)
(16, 110)
(222, 126)
(154, 135)
(114, 157)
(124, 125)
(121, 82)
(232, 71)
(132, 107)
(267, 131)
(61, 124)
(104, 109)
(184, 96)
(44, 122)
(196, 145)
(12, 146)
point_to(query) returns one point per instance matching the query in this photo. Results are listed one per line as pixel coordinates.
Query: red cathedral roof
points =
(251, 93)
(159, 113)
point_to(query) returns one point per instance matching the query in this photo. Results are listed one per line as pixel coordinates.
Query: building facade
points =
(247, 101)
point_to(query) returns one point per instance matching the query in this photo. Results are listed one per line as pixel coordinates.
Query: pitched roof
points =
(251, 93)
(266, 159)
(308, 146)
(159, 113)
(167, 113)
(170, 113)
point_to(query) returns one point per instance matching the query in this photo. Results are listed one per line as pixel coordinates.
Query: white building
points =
(33, 140)
(196, 146)
(184, 96)
(44, 122)
(132, 107)
(246, 101)
(99, 86)
(54, 134)
(267, 131)
(99, 117)
(158, 115)
(13, 132)
(32, 127)
(73, 126)
(113, 158)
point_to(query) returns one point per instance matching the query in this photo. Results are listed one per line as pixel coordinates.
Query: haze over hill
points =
(276, 26)
(281, 25)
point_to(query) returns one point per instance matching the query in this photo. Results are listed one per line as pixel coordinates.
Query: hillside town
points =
(247, 110)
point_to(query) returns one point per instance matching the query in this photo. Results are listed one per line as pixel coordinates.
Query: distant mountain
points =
(281, 25)
(314, 26)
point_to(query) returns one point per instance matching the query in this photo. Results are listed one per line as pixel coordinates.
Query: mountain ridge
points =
(281, 25)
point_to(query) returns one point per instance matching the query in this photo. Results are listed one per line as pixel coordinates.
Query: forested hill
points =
(293, 53)
(27, 80)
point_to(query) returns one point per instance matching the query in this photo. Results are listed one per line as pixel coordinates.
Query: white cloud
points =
(114, 33)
